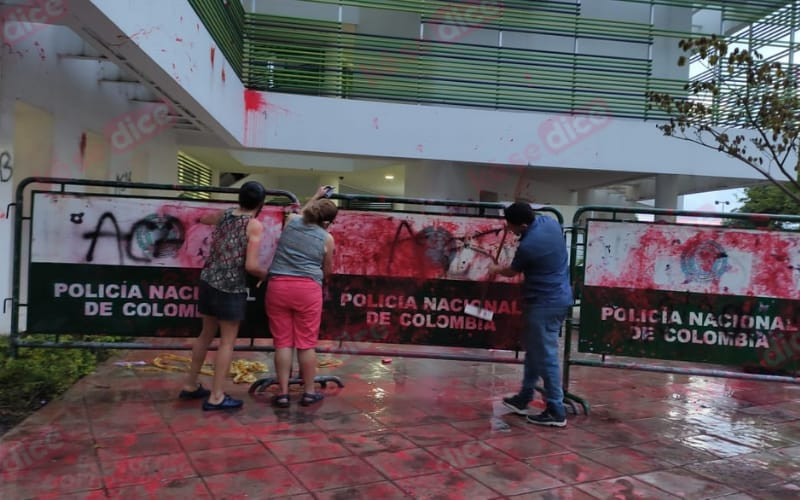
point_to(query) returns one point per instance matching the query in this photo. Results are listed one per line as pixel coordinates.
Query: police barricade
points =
(126, 264)
(122, 259)
(403, 276)
(693, 291)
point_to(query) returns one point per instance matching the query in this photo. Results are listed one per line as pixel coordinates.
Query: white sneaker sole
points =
(516, 410)
(547, 424)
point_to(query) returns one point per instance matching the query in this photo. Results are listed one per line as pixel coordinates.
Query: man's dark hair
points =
(519, 213)
(252, 195)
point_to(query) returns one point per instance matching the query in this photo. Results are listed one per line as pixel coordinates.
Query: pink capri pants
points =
(294, 308)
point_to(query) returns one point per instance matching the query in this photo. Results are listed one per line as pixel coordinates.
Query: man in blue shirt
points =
(546, 296)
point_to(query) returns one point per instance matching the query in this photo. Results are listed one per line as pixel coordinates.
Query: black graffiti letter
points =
(97, 233)
(6, 170)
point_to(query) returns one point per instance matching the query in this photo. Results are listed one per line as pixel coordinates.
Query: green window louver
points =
(224, 20)
(193, 173)
(330, 58)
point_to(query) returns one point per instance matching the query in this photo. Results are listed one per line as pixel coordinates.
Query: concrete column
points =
(666, 194)
(436, 180)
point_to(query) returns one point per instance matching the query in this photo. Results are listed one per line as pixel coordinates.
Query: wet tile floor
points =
(413, 428)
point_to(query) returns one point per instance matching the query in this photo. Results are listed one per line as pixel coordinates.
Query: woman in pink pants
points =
(304, 257)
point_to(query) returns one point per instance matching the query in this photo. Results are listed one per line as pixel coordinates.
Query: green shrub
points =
(38, 375)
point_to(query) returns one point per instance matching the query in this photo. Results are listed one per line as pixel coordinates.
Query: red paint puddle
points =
(213, 53)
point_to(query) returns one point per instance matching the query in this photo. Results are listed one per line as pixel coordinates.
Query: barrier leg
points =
(260, 385)
(569, 401)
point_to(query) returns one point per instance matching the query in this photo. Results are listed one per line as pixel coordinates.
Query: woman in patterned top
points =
(223, 291)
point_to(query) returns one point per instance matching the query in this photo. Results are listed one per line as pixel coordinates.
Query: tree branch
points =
(772, 151)
(786, 191)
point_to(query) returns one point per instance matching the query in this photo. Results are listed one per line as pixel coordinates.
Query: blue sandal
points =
(309, 398)
(281, 400)
(227, 403)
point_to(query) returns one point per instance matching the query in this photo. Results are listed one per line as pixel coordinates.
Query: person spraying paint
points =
(303, 259)
(546, 295)
(222, 300)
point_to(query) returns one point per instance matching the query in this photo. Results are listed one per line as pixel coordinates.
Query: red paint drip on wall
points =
(213, 53)
(254, 101)
(223, 75)
(83, 146)
(179, 40)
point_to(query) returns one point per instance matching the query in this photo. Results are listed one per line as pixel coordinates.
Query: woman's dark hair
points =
(519, 213)
(252, 195)
(319, 212)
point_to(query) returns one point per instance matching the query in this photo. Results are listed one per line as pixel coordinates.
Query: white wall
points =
(326, 125)
(175, 45)
(166, 41)
(6, 192)
(52, 108)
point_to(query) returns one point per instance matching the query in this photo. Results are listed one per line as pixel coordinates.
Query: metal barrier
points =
(684, 292)
(127, 264)
(403, 277)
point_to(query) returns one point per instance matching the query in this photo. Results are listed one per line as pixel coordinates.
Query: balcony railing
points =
(325, 58)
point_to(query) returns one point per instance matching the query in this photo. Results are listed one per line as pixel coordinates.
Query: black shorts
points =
(222, 305)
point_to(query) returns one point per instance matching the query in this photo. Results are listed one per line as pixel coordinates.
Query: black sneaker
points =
(547, 418)
(200, 392)
(517, 404)
(227, 403)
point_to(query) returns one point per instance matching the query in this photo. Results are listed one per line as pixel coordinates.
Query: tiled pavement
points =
(412, 428)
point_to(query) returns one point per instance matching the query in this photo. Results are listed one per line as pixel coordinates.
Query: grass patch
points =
(38, 375)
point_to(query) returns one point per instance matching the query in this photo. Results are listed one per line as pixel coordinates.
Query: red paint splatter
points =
(419, 148)
(774, 275)
(179, 40)
(376, 244)
(707, 260)
(82, 146)
(223, 75)
(213, 53)
(254, 101)
(375, 123)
